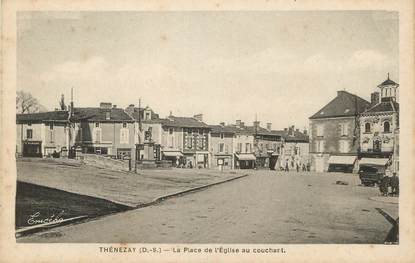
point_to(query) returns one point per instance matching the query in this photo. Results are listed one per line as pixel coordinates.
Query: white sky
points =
(282, 66)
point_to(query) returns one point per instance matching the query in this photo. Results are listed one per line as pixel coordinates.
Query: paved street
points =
(267, 207)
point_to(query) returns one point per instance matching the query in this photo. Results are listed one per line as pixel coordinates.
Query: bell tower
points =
(388, 90)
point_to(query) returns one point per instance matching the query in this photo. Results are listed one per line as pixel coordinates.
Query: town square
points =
(208, 128)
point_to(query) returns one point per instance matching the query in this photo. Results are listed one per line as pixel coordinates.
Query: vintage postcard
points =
(207, 132)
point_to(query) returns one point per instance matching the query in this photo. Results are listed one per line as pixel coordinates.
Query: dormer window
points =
(124, 125)
(97, 124)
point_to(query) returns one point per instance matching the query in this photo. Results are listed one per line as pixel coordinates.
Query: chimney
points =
(105, 105)
(269, 126)
(285, 129)
(242, 124)
(198, 117)
(222, 124)
(238, 123)
(297, 130)
(114, 106)
(374, 98)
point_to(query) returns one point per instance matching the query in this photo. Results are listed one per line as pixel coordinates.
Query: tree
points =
(26, 103)
(62, 103)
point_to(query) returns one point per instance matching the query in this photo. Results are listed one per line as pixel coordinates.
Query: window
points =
(320, 146)
(97, 124)
(344, 129)
(320, 129)
(171, 131)
(344, 146)
(247, 147)
(367, 127)
(97, 135)
(221, 147)
(29, 134)
(386, 126)
(147, 115)
(124, 125)
(51, 126)
(239, 147)
(124, 134)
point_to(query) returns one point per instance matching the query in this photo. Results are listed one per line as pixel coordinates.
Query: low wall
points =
(105, 162)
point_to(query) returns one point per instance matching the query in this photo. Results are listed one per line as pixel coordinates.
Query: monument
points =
(148, 152)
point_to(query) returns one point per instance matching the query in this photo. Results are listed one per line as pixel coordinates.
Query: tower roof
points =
(387, 82)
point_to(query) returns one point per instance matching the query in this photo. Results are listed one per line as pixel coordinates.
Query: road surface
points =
(267, 207)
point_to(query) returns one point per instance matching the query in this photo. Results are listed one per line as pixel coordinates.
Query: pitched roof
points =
(42, 116)
(100, 114)
(296, 137)
(135, 112)
(388, 82)
(221, 129)
(344, 105)
(384, 106)
(184, 122)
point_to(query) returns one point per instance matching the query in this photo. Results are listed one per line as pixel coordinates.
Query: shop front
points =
(32, 149)
(245, 161)
(344, 164)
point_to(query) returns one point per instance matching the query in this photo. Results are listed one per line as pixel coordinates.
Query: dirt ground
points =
(266, 207)
(119, 187)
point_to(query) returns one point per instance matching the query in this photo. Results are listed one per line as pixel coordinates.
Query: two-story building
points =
(185, 140)
(379, 124)
(105, 130)
(295, 149)
(221, 146)
(334, 133)
(42, 134)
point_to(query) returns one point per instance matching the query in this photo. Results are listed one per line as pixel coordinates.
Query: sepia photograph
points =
(207, 134)
(310, 156)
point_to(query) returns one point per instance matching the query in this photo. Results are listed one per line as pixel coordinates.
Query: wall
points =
(228, 150)
(37, 134)
(244, 139)
(377, 132)
(331, 137)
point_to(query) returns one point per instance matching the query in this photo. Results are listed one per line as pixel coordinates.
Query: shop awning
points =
(338, 159)
(374, 161)
(246, 157)
(173, 154)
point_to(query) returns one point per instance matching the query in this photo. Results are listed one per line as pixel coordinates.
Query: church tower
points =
(388, 90)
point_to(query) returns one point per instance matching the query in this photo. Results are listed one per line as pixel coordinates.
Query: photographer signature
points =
(36, 219)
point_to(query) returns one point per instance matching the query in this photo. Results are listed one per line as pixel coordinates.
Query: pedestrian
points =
(394, 182)
(286, 167)
(304, 168)
(297, 167)
(384, 185)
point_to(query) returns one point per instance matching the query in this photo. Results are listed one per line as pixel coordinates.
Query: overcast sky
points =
(282, 66)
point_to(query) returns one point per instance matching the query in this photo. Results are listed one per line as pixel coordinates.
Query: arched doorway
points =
(377, 145)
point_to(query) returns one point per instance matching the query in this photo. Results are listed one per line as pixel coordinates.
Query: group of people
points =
(389, 185)
(295, 165)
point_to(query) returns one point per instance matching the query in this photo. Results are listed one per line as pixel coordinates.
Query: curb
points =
(184, 192)
(384, 200)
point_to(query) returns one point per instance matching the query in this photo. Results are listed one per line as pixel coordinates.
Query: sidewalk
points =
(385, 199)
(133, 190)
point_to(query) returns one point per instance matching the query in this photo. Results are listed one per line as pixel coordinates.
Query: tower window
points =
(367, 127)
(386, 126)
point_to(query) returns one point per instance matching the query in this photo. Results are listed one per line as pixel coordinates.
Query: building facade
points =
(105, 130)
(221, 147)
(295, 149)
(334, 134)
(42, 134)
(379, 124)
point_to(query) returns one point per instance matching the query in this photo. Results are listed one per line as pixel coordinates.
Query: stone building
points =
(334, 133)
(221, 147)
(379, 126)
(42, 134)
(105, 130)
(295, 149)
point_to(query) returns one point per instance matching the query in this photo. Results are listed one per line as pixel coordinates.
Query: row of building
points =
(183, 141)
(349, 131)
(344, 133)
